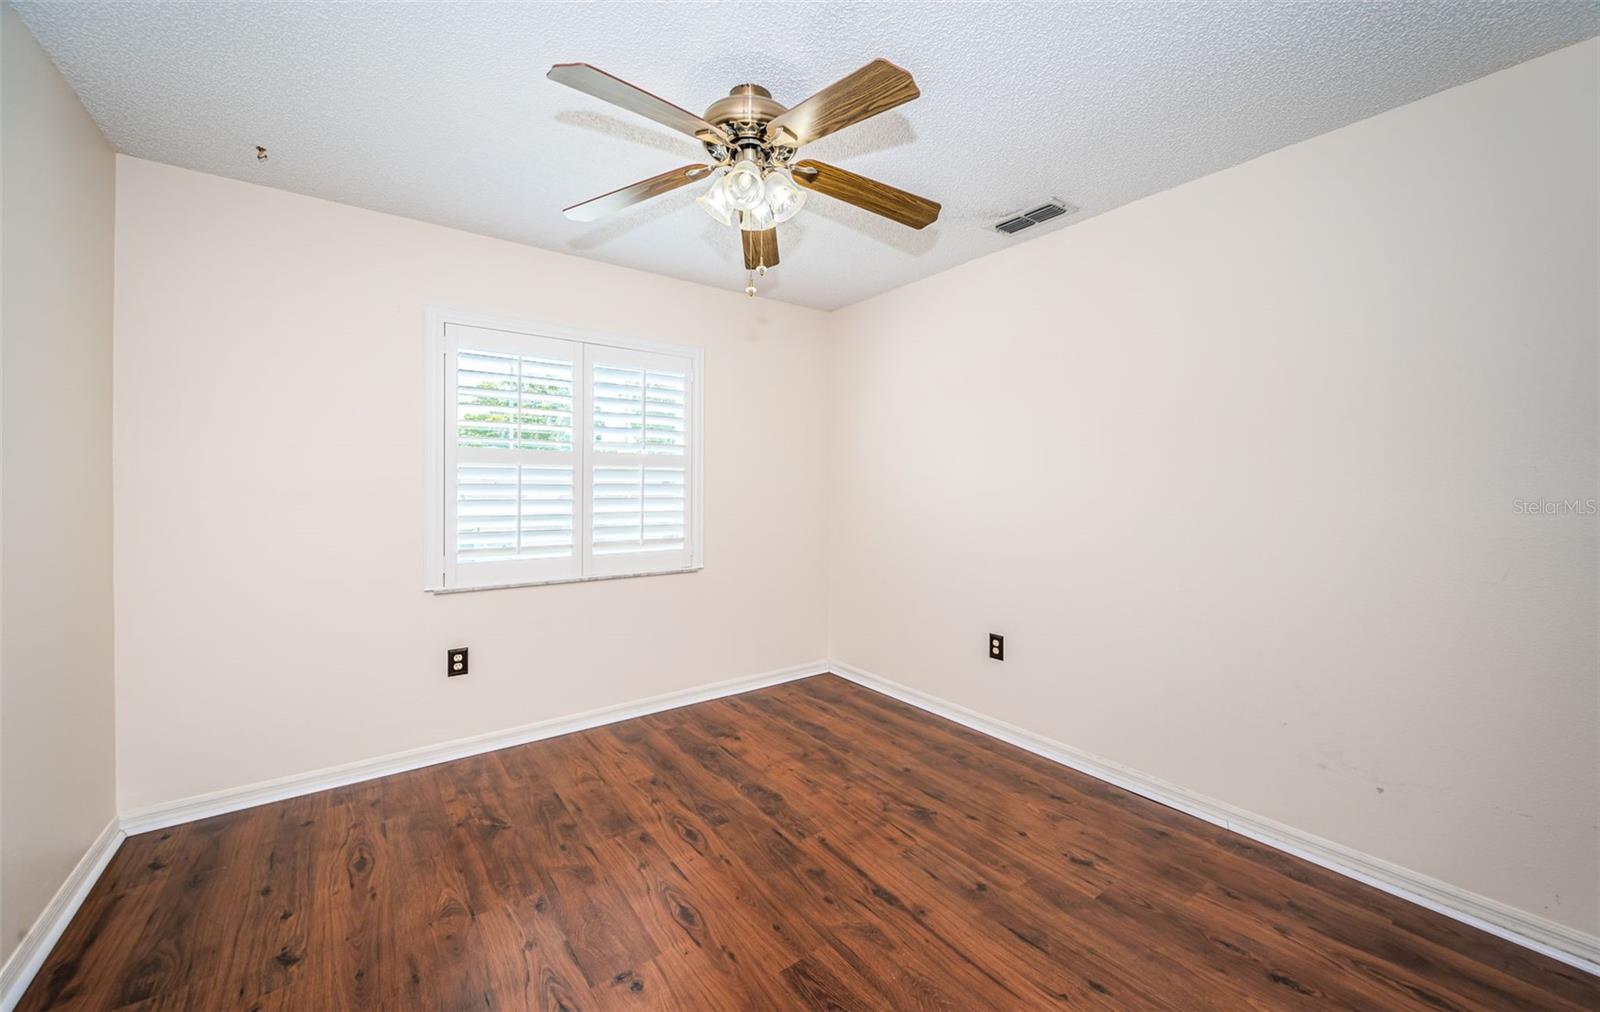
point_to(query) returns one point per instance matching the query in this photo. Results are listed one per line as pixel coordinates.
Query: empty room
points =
(725, 506)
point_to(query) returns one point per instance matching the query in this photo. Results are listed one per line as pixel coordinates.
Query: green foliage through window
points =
(513, 402)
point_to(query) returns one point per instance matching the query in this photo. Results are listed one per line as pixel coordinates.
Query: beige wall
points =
(56, 728)
(1234, 470)
(269, 491)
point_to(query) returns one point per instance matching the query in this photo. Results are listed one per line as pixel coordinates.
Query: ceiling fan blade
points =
(760, 249)
(867, 194)
(875, 88)
(596, 82)
(644, 189)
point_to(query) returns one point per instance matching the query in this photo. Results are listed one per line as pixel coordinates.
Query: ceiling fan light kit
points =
(751, 142)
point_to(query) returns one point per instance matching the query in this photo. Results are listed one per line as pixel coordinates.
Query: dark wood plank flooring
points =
(811, 845)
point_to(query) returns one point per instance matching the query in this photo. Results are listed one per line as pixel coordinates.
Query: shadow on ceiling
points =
(679, 145)
(883, 132)
(637, 216)
(910, 241)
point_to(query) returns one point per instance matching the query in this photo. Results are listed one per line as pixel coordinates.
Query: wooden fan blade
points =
(875, 88)
(596, 82)
(760, 249)
(644, 189)
(867, 194)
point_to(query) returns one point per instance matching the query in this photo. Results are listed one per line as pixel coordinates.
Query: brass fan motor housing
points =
(745, 111)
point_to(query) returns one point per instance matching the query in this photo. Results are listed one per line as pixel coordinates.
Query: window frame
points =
(440, 574)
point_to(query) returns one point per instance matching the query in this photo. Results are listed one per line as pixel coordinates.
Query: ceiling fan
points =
(752, 141)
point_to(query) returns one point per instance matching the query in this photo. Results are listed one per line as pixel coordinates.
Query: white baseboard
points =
(1570, 946)
(30, 953)
(235, 798)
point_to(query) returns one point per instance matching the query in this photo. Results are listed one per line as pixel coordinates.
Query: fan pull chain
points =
(750, 286)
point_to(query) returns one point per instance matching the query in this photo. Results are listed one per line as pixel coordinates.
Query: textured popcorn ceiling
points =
(440, 111)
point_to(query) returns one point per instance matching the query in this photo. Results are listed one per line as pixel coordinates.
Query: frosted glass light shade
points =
(744, 186)
(758, 218)
(783, 196)
(715, 200)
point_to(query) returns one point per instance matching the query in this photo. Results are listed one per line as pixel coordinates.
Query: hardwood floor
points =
(811, 845)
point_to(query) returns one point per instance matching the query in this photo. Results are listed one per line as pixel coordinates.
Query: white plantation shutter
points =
(639, 464)
(561, 459)
(512, 457)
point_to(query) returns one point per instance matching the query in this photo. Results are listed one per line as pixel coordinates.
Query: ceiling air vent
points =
(1037, 216)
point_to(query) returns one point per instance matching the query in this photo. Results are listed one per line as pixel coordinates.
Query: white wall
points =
(56, 728)
(1234, 468)
(269, 491)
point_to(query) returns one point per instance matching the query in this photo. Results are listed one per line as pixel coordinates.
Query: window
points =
(556, 456)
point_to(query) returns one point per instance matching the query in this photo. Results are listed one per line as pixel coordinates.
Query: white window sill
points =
(552, 583)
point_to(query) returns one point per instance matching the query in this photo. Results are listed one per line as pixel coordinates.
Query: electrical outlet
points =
(456, 662)
(997, 647)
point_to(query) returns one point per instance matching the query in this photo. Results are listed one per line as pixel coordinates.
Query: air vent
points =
(1037, 216)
